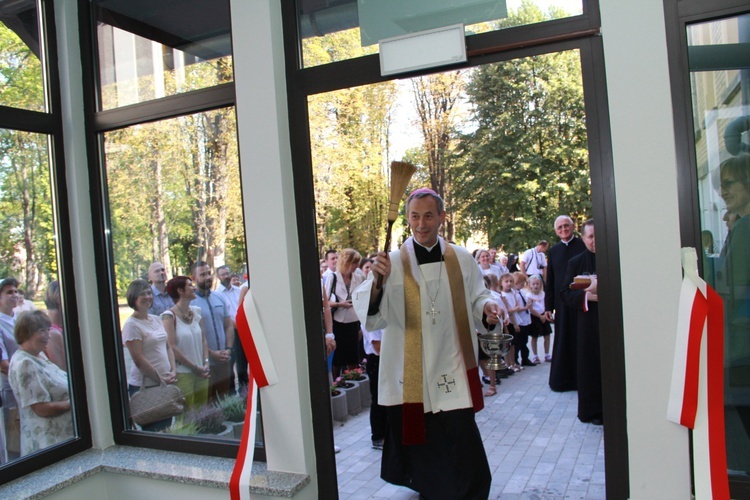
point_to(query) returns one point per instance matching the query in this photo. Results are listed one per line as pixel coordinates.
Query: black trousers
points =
(378, 415)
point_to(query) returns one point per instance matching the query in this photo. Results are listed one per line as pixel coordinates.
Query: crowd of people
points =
(34, 396)
(528, 297)
(182, 331)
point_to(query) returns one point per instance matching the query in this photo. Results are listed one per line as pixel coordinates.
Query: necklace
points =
(186, 317)
(432, 312)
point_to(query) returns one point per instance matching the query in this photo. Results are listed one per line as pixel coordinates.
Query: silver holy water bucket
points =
(496, 346)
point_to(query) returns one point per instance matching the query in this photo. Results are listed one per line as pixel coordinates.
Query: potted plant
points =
(182, 428)
(353, 398)
(233, 407)
(358, 375)
(208, 419)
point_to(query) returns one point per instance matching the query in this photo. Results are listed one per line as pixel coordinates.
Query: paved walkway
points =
(536, 447)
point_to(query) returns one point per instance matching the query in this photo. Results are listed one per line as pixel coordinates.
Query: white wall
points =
(646, 188)
(82, 240)
(271, 228)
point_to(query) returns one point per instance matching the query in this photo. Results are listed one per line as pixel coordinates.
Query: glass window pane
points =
(176, 219)
(720, 80)
(36, 406)
(149, 50)
(501, 189)
(330, 31)
(21, 74)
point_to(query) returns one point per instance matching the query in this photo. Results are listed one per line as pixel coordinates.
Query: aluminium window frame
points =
(581, 32)
(97, 123)
(50, 124)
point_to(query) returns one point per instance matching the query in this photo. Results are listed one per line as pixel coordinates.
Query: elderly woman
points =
(146, 339)
(187, 338)
(339, 288)
(39, 386)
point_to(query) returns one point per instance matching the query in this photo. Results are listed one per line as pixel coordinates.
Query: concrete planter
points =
(353, 397)
(338, 406)
(364, 391)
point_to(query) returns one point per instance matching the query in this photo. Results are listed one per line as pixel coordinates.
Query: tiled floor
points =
(536, 447)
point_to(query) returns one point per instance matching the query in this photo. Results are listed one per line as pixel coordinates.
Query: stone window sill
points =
(153, 464)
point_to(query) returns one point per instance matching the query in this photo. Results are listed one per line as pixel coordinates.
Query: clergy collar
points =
(429, 249)
(426, 255)
(566, 243)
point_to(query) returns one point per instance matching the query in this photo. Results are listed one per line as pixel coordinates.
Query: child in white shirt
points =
(540, 327)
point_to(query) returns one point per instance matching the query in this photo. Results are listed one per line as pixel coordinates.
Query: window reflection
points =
(720, 80)
(21, 76)
(146, 52)
(36, 406)
(330, 31)
(176, 218)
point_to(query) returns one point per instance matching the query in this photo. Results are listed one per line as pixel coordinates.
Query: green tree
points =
(436, 98)
(527, 160)
(27, 243)
(349, 135)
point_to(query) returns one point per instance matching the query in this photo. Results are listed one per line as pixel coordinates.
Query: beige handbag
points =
(151, 404)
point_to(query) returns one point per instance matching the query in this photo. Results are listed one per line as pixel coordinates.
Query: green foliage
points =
(20, 73)
(27, 241)
(349, 136)
(208, 419)
(233, 407)
(183, 428)
(174, 193)
(527, 160)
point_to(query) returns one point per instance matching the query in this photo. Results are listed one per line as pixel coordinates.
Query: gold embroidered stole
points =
(413, 404)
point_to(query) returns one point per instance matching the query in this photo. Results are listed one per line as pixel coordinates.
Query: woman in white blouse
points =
(187, 339)
(346, 327)
(146, 339)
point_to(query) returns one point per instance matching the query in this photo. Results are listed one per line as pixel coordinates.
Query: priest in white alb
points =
(431, 301)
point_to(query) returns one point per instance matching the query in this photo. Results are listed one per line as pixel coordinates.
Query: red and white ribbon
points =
(262, 373)
(696, 399)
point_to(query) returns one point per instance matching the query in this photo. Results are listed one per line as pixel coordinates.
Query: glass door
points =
(719, 62)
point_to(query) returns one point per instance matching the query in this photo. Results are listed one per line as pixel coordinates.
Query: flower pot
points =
(236, 428)
(226, 433)
(353, 397)
(338, 406)
(364, 391)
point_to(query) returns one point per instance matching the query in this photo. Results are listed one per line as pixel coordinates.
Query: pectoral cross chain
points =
(432, 312)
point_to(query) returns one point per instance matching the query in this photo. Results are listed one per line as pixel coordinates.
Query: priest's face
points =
(425, 220)
(588, 238)
(564, 228)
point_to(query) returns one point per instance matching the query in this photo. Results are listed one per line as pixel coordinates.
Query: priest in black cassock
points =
(562, 374)
(586, 304)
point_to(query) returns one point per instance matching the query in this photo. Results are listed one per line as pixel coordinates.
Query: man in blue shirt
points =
(219, 329)
(157, 276)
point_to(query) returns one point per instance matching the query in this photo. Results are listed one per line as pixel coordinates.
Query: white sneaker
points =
(336, 449)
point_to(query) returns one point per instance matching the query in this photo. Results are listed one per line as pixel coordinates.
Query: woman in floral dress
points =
(40, 386)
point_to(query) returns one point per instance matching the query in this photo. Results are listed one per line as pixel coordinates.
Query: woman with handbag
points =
(146, 339)
(39, 386)
(346, 327)
(187, 339)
